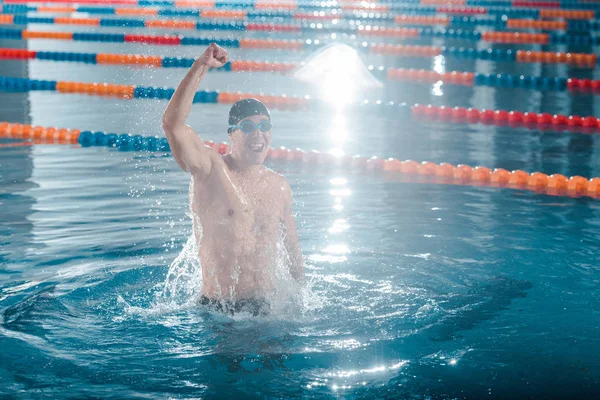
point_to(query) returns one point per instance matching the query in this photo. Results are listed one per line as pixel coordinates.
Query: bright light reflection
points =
(339, 72)
(338, 131)
(349, 344)
(374, 370)
(327, 258)
(436, 89)
(398, 365)
(340, 192)
(439, 65)
(338, 135)
(339, 225)
(337, 152)
(338, 207)
(336, 249)
(338, 181)
(453, 361)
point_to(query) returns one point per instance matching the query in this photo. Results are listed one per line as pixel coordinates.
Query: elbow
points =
(167, 124)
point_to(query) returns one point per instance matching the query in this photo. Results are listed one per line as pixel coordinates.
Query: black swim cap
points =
(246, 108)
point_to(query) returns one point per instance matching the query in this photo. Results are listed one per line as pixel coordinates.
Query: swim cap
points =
(246, 108)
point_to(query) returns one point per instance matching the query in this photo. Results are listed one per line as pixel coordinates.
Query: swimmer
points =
(243, 207)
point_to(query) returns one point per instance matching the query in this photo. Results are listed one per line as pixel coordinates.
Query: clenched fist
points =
(214, 56)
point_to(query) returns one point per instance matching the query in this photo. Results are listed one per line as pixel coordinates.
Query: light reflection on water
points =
(367, 319)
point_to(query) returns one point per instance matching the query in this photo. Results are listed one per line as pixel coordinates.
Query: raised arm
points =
(291, 242)
(189, 151)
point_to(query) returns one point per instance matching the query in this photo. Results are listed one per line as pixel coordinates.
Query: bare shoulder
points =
(215, 158)
(278, 181)
(213, 154)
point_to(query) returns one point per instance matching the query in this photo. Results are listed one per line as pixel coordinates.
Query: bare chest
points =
(260, 208)
(244, 207)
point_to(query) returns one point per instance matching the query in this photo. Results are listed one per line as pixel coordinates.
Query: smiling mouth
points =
(256, 147)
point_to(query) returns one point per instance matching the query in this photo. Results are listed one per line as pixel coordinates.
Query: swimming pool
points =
(417, 290)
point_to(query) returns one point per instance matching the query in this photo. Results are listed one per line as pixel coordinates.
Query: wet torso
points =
(240, 214)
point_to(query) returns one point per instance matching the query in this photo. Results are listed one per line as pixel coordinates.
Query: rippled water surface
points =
(416, 290)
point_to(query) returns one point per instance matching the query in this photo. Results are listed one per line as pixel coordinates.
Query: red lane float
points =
(541, 121)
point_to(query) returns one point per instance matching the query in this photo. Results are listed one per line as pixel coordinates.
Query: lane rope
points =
(460, 115)
(573, 20)
(424, 172)
(462, 78)
(507, 37)
(522, 8)
(585, 60)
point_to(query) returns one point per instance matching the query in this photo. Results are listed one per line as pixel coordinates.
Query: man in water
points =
(243, 207)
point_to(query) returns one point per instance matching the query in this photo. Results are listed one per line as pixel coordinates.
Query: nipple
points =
(230, 212)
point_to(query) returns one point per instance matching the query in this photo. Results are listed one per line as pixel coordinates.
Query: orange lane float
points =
(567, 14)
(25, 34)
(169, 23)
(515, 37)
(57, 9)
(227, 14)
(195, 3)
(135, 11)
(576, 59)
(97, 89)
(445, 173)
(129, 59)
(39, 133)
(77, 21)
(7, 19)
(531, 24)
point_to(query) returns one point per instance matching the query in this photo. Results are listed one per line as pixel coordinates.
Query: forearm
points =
(181, 103)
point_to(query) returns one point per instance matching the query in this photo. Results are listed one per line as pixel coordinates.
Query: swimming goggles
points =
(248, 126)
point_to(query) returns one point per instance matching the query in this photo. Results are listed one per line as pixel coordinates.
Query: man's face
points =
(251, 147)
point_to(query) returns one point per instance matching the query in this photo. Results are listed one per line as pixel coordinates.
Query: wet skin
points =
(243, 208)
(243, 214)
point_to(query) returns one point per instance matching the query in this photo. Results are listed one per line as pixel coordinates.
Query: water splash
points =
(182, 288)
(183, 283)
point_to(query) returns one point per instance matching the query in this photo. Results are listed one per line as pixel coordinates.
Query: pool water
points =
(416, 290)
